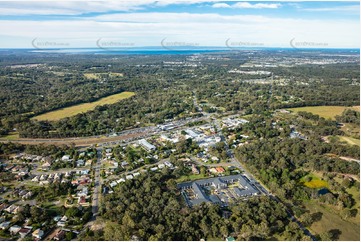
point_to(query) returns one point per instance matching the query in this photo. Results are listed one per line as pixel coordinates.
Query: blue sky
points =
(117, 24)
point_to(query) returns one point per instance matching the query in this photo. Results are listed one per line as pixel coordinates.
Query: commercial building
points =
(217, 190)
(146, 145)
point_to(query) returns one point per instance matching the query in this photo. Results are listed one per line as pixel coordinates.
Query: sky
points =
(179, 24)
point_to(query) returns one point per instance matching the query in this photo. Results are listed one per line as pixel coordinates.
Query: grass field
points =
(91, 75)
(356, 196)
(82, 108)
(350, 140)
(11, 136)
(351, 130)
(191, 177)
(349, 231)
(325, 111)
(315, 182)
(97, 75)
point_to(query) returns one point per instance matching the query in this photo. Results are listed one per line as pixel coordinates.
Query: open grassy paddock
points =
(349, 231)
(82, 108)
(350, 140)
(324, 111)
(97, 75)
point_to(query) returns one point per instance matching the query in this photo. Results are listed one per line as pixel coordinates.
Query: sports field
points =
(82, 108)
(325, 111)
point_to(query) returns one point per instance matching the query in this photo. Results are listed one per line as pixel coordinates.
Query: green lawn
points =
(324, 111)
(84, 107)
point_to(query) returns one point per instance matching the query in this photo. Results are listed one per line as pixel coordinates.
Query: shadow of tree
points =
(335, 234)
(317, 216)
(353, 212)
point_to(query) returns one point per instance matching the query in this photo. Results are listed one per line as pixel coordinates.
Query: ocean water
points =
(135, 51)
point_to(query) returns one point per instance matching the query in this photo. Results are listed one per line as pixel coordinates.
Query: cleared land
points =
(325, 111)
(82, 108)
(350, 140)
(76, 141)
(98, 75)
(349, 231)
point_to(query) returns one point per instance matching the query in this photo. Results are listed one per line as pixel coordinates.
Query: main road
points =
(124, 136)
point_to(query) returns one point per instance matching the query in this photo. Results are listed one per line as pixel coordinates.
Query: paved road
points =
(97, 185)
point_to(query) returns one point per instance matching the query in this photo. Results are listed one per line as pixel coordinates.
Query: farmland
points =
(324, 111)
(84, 107)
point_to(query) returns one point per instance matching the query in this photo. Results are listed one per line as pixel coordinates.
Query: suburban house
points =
(14, 229)
(46, 165)
(4, 225)
(66, 158)
(80, 163)
(60, 235)
(38, 234)
(195, 169)
(24, 231)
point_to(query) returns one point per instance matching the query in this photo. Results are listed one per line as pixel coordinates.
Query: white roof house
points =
(136, 174)
(65, 158)
(154, 168)
(167, 163)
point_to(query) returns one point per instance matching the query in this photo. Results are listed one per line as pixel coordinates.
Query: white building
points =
(146, 145)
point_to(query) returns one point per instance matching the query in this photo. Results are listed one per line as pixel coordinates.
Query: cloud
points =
(69, 7)
(257, 5)
(352, 8)
(247, 5)
(148, 29)
(78, 7)
(221, 5)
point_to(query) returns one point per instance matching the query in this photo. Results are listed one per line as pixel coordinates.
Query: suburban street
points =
(97, 185)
